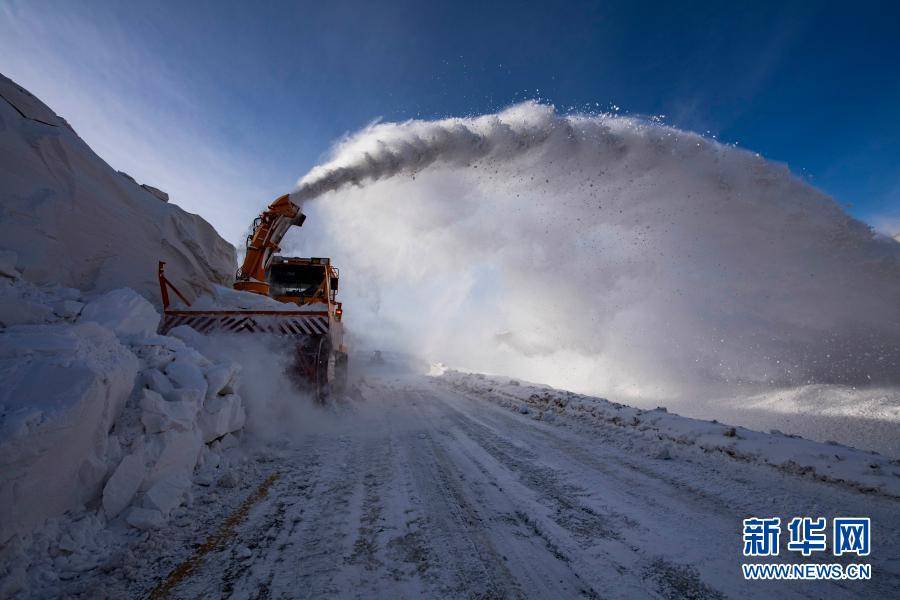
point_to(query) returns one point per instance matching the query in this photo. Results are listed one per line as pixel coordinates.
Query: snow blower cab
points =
(302, 281)
(311, 321)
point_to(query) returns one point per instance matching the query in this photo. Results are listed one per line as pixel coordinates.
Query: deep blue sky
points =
(265, 88)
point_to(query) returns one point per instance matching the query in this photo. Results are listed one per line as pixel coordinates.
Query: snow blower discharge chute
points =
(312, 324)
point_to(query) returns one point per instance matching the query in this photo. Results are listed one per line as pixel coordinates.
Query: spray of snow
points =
(387, 149)
(601, 253)
(277, 409)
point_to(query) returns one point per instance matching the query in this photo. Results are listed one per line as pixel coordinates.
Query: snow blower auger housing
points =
(312, 319)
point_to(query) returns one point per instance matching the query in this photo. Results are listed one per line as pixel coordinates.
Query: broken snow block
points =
(124, 311)
(156, 380)
(186, 374)
(219, 377)
(67, 309)
(175, 452)
(154, 353)
(221, 415)
(161, 415)
(185, 395)
(229, 441)
(185, 333)
(63, 387)
(167, 494)
(124, 484)
(145, 518)
(190, 354)
(19, 311)
(8, 260)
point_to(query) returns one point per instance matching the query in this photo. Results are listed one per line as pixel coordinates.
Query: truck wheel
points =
(324, 371)
(341, 370)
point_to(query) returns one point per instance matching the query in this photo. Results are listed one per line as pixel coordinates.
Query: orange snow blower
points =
(312, 319)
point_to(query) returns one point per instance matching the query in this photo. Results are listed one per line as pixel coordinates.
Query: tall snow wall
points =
(73, 220)
(81, 423)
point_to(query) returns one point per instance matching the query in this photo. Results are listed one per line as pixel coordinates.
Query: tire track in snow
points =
(539, 505)
(214, 542)
(266, 538)
(319, 533)
(225, 572)
(420, 491)
(496, 523)
(692, 499)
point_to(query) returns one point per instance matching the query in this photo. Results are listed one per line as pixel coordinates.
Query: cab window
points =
(296, 280)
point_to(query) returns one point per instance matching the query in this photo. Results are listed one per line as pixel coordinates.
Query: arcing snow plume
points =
(388, 149)
(601, 253)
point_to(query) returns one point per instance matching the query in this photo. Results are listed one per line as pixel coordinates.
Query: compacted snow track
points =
(425, 491)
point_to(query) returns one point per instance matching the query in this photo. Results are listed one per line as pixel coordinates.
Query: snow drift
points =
(99, 415)
(63, 388)
(602, 253)
(72, 220)
(98, 410)
(832, 462)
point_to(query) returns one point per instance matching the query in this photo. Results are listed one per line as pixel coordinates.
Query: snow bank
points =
(64, 386)
(124, 312)
(64, 550)
(865, 417)
(866, 471)
(99, 411)
(71, 219)
(103, 423)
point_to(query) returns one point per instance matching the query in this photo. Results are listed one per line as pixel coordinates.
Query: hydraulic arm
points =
(262, 243)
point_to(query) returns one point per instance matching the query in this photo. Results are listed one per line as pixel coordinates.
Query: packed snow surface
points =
(470, 486)
(70, 219)
(96, 408)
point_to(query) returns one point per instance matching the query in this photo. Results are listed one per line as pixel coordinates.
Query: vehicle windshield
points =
(296, 280)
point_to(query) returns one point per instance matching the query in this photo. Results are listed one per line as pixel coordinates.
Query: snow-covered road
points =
(422, 490)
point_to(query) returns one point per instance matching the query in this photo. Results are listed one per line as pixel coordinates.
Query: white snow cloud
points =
(601, 254)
